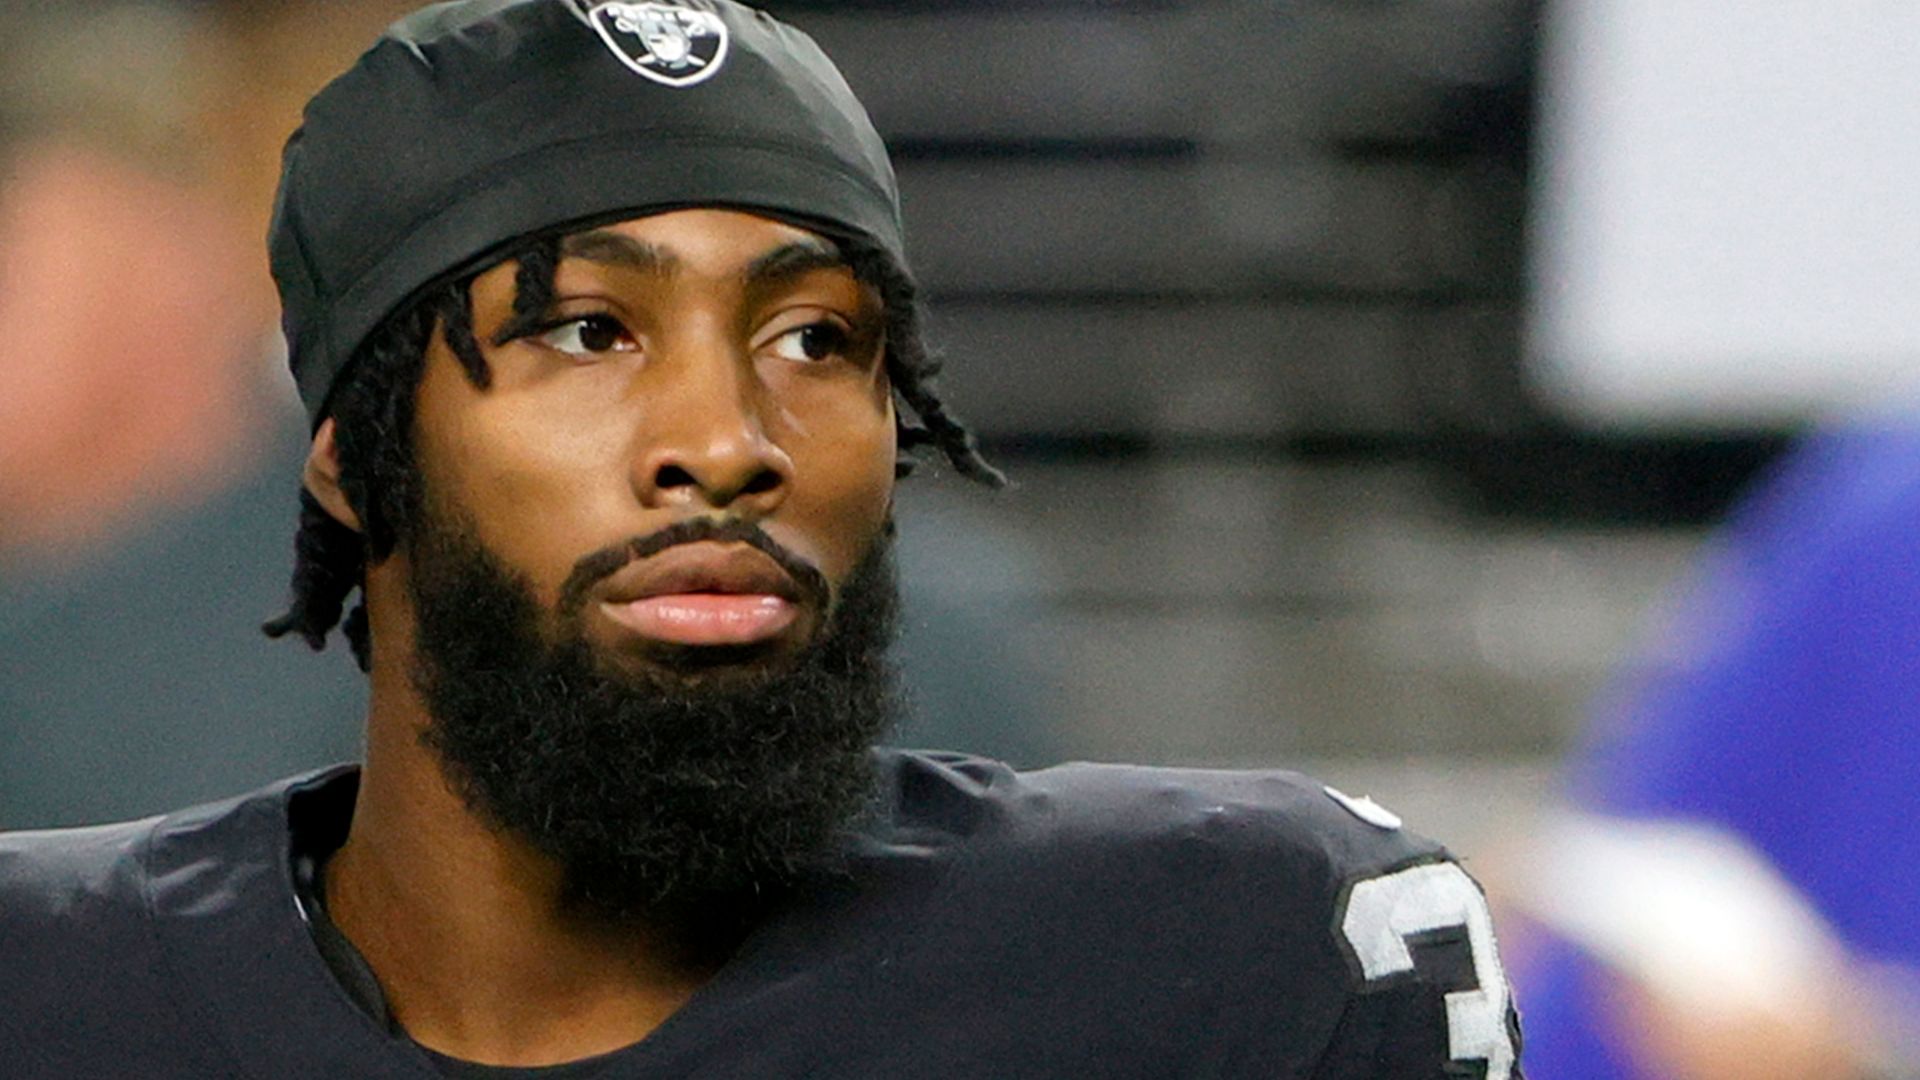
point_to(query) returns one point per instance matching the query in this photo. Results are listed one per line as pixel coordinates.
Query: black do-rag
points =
(473, 124)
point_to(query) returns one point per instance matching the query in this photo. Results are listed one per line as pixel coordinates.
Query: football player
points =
(611, 354)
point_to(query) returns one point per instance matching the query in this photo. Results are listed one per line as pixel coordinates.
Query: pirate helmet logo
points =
(668, 43)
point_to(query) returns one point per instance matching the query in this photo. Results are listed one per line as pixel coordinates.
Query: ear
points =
(322, 477)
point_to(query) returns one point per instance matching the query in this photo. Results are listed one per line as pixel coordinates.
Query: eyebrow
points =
(776, 267)
(792, 260)
(789, 262)
(617, 249)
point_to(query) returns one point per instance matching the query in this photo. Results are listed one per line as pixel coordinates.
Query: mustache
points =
(593, 568)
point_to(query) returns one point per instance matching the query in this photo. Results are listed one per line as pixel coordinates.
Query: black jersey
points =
(1072, 922)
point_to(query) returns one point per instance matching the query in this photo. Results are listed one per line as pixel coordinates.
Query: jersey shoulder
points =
(1329, 937)
(65, 883)
(61, 887)
(1256, 866)
(76, 944)
(1320, 834)
(92, 984)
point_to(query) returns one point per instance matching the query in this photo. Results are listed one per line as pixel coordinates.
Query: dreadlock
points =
(912, 369)
(372, 411)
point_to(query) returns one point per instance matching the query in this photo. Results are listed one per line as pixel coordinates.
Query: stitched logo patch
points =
(671, 44)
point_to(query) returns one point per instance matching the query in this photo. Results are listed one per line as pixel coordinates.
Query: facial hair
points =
(685, 798)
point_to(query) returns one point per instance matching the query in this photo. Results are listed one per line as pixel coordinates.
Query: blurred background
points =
(1375, 377)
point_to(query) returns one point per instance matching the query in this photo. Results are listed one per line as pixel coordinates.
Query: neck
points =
(465, 925)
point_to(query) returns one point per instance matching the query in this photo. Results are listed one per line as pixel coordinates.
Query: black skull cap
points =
(473, 124)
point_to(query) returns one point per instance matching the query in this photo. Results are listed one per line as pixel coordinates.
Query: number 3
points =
(1383, 912)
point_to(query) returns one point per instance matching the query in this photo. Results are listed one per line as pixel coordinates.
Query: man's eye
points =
(588, 335)
(811, 343)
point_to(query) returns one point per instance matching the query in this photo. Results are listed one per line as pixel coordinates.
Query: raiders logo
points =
(671, 44)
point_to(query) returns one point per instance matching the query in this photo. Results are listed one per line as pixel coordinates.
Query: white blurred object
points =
(1727, 223)
(1722, 944)
(1690, 910)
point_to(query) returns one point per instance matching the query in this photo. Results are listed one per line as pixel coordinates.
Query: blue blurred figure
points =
(1733, 893)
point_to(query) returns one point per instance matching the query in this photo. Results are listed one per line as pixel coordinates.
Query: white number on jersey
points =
(1383, 912)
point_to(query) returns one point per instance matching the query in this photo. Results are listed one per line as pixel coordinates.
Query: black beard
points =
(687, 800)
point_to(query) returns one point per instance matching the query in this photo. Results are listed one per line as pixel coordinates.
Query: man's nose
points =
(703, 444)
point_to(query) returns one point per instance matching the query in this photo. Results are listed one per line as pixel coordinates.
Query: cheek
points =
(539, 493)
(843, 459)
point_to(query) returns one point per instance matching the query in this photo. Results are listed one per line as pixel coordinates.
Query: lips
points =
(704, 593)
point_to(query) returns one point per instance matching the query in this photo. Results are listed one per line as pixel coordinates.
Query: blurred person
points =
(128, 328)
(1731, 893)
(144, 437)
(603, 321)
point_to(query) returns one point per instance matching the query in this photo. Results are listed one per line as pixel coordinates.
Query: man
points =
(610, 349)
